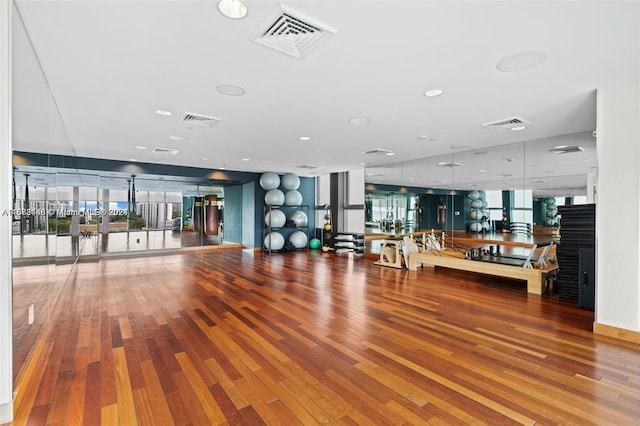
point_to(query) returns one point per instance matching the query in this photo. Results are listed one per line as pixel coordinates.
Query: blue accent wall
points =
(233, 213)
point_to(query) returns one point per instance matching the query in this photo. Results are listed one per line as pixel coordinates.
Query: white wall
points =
(6, 346)
(618, 206)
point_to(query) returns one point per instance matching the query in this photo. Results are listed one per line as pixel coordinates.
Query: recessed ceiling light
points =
(246, 159)
(305, 138)
(178, 138)
(523, 60)
(163, 112)
(140, 147)
(233, 9)
(433, 92)
(515, 129)
(390, 153)
(359, 121)
(133, 159)
(482, 171)
(230, 90)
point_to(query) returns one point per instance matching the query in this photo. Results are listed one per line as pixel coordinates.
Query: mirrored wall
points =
(514, 187)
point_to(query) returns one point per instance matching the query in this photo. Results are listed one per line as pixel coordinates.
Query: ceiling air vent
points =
(158, 150)
(291, 32)
(563, 149)
(378, 151)
(192, 119)
(508, 123)
(303, 166)
(449, 164)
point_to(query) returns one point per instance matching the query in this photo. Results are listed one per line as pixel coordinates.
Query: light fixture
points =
(357, 121)
(230, 90)
(305, 138)
(246, 159)
(233, 9)
(515, 129)
(433, 92)
(178, 138)
(140, 147)
(163, 112)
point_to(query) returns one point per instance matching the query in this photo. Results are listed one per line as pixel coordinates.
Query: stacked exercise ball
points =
(275, 218)
(299, 218)
(283, 191)
(479, 215)
(274, 197)
(551, 211)
(274, 241)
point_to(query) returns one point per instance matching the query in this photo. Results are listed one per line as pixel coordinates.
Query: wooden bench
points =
(535, 277)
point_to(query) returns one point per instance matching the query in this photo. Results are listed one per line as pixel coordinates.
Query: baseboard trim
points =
(6, 413)
(617, 333)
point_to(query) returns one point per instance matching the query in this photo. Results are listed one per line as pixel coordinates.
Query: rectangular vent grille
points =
(303, 166)
(291, 32)
(378, 151)
(158, 150)
(566, 149)
(192, 119)
(508, 123)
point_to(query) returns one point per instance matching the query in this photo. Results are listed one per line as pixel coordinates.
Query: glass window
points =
(580, 199)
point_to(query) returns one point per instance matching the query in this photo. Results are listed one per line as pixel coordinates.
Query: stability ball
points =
(476, 204)
(475, 226)
(474, 195)
(274, 241)
(298, 239)
(274, 197)
(269, 181)
(275, 218)
(290, 181)
(293, 198)
(314, 243)
(549, 200)
(299, 218)
(474, 214)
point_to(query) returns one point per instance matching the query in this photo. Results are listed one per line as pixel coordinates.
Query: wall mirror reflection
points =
(509, 191)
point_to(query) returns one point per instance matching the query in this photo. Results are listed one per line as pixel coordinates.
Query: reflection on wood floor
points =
(235, 337)
(48, 247)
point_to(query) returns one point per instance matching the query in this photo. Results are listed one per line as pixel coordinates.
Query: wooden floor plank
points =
(234, 337)
(211, 408)
(126, 405)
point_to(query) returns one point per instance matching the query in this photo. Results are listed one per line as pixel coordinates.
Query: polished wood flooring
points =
(235, 337)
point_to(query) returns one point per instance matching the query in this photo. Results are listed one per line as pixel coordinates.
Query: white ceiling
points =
(107, 66)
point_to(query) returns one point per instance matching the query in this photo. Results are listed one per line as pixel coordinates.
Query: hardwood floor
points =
(233, 337)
